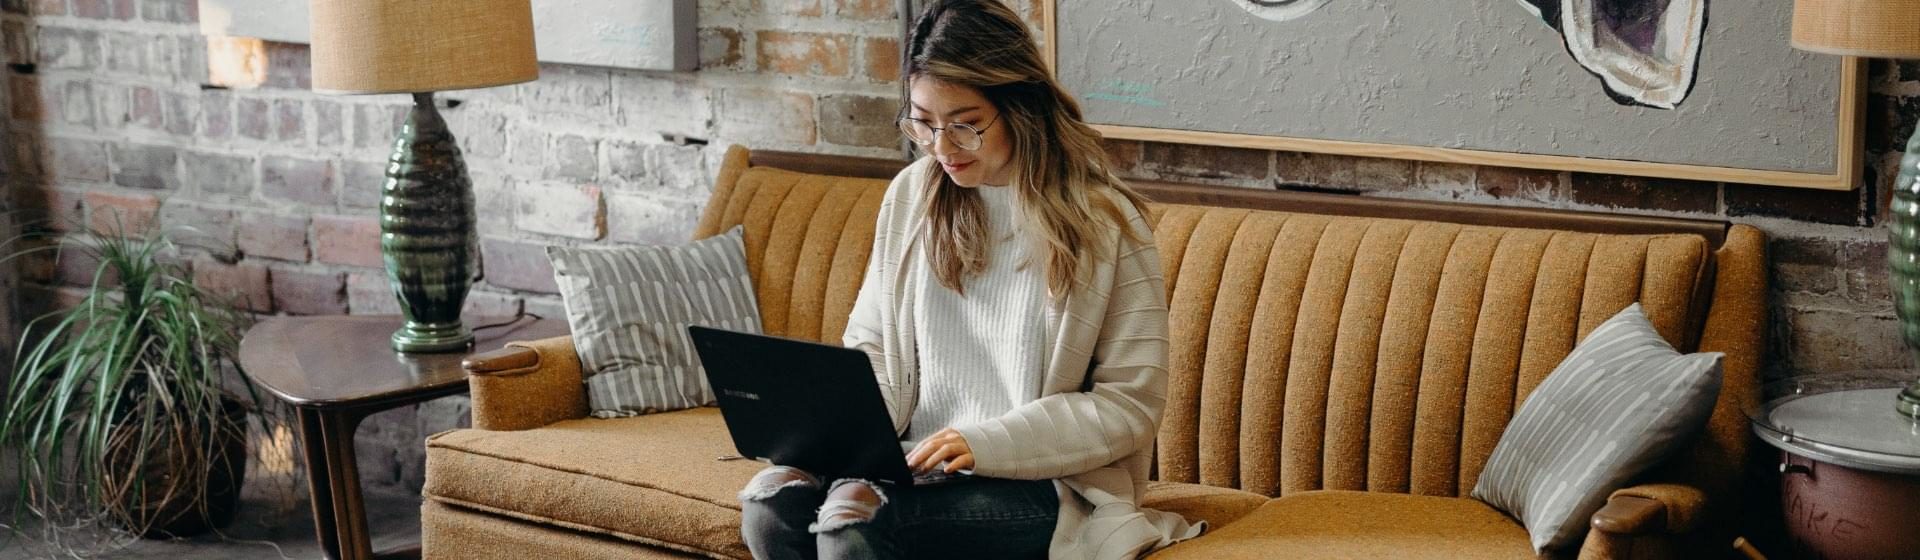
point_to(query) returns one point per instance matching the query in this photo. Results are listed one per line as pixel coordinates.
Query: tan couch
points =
(1342, 369)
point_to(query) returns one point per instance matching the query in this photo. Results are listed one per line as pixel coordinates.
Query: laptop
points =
(806, 405)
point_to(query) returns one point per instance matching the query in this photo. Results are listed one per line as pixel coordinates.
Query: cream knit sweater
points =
(1093, 427)
(982, 352)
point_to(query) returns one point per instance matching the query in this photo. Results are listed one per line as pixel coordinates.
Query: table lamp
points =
(426, 206)
(1882, 29)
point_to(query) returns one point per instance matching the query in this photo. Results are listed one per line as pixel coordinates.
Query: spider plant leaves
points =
(135, 374)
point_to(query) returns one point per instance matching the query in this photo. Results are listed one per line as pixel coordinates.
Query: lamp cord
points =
(519, 312)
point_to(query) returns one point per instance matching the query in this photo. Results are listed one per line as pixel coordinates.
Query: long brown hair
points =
(1058, 159)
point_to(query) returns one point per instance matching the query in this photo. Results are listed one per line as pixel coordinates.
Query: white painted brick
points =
(576, 91)
(492, 307)
(76, 103)
(644, 166)
(561, 209)
(164, 57)
(548, 306)
(192, 62)
(111, 102)
(492, 97)
(63, 48)
(1444, 176)
(681, 168)
(493, 202)
(481, 135)
(127, 53)
(651, 219)
(528, 146)
(766, 118)
(659, 104)
(369, 294)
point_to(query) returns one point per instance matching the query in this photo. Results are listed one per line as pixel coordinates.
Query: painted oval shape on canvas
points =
(1280, 10)
(1644, 51)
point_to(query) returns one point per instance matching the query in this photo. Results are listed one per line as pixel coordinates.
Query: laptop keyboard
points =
(940, 477)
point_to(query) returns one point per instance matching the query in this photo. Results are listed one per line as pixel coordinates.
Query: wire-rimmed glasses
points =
(960, 134)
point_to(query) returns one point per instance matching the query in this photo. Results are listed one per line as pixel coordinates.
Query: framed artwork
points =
(1706, 90)
(642, 34)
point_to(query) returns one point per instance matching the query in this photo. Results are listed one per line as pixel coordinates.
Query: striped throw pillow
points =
(1618, 405)
(630, 306)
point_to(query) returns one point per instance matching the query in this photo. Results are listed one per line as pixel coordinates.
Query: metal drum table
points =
(1849, 464)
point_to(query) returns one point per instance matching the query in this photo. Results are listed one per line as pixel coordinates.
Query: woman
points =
(1017, 321)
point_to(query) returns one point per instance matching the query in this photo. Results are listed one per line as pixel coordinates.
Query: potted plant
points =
(122, 409)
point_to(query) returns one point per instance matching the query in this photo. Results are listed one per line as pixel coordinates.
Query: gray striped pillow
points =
(630, 306)
(1618, 405)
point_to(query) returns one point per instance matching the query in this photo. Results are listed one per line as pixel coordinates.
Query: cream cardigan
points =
(1093, 427)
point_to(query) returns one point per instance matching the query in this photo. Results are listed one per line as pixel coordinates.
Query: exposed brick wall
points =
(108, 117)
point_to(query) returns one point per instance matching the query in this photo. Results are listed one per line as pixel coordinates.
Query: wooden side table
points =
(337, 370)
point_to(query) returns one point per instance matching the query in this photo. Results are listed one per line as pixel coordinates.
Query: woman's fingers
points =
(913, 457)
(964, 461)
(926, 446)
(946, 445)
(920, 453)
(939, 453)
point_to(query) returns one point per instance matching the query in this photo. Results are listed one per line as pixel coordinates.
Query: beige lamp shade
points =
(1873, 28)
(412, 46)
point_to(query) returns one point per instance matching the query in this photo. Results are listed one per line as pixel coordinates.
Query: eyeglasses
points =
(960, 134)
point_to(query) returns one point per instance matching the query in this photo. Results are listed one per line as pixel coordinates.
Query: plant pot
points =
(172, 498)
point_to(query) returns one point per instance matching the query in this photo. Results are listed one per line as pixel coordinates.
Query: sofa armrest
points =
(1676, 508)
(526, 385)
(1630, 515)
(1647, 521)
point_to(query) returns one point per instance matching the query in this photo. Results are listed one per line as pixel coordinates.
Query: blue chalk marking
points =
(1136, 100)
(1122, 91)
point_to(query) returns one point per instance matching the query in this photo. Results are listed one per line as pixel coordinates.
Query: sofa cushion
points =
(652, 478)
(1345, 524)
(455, 532)
(1217, 506)
(629, 308)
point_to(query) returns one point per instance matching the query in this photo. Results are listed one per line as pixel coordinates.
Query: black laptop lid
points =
(801, 404)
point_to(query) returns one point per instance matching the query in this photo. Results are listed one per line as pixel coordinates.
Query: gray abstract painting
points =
(1643, 81)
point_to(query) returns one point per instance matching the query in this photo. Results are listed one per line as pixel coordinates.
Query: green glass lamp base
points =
(432, 337)
(1910, 401)
(1903, 261)
(427, 232)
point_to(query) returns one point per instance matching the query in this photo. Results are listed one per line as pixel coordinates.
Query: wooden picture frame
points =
(1846, 175)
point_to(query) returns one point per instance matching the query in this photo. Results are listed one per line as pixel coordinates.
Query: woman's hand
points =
(946, 445)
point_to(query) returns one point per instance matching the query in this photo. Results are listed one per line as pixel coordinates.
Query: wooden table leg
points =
(313, 445)
(333, 479)
(349, 512)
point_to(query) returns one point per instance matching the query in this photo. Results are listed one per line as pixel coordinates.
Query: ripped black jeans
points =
(787, 514)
